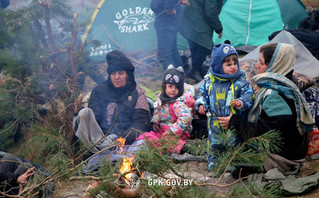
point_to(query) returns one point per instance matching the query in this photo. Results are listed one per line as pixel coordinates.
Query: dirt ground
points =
(196, 170)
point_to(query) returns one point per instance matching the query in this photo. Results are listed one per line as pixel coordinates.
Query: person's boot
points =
(195, 75)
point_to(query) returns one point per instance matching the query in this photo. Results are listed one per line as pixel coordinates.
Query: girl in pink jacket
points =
(173, 113)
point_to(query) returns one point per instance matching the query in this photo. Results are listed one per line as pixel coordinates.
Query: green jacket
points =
(200, 19)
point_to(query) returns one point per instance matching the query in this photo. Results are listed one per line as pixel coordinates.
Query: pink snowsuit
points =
(175, 117)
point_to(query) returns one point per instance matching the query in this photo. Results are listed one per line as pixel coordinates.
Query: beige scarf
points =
(283, 59)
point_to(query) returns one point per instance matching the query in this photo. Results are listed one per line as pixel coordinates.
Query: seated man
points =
(117, 107)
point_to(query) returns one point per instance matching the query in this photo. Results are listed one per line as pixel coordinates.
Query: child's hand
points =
(236, 103)
(156, 127)
(223, 121)
(165, 134)
(202, 109)
(171, 12)
(220, 35)
(185, 2)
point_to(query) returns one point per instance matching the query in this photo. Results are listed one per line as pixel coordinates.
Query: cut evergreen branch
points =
(252, 151)
(253, 191)
(197, 147)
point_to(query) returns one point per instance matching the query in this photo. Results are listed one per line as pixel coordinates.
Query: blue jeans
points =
(166, 27)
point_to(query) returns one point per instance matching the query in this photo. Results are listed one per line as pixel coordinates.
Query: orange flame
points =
(127, 165)
(122, 142)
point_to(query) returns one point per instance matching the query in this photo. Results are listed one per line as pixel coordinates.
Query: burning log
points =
(113, 189)
(121, 142)
(118, 188)
(127, 165)
(127, 182)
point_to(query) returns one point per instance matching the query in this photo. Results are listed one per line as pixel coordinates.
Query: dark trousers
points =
(166, 27)
(198, 54)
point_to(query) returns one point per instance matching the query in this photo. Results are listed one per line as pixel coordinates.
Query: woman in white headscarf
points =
(279, 106)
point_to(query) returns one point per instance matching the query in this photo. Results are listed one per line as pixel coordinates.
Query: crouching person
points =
(117, 107)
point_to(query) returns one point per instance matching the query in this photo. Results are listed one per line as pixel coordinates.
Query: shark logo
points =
(134, 21)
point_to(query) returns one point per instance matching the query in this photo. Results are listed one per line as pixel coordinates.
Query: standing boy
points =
(224, 89)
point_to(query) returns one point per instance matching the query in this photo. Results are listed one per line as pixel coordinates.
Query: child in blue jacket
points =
(225, 89)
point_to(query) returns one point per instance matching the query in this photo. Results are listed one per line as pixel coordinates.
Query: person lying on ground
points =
(14, 174)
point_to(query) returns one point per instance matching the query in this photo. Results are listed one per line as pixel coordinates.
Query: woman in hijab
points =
(279, 106)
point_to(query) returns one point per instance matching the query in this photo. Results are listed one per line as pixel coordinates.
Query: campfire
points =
(128, 183)
(128, 179)
(121, 143)
(127, 163)
(126, 167)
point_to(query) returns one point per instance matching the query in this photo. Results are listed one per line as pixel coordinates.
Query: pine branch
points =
(34, 100)
(220, 185)
(7, 129)
(75, 178)
(8, 195)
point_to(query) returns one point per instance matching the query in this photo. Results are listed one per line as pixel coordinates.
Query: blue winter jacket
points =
(217, 93)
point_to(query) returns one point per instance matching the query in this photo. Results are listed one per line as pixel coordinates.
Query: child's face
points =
(230, 67)
(171, 90)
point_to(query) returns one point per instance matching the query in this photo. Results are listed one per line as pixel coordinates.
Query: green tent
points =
(292, 11)
(250, 22)
(121, 24)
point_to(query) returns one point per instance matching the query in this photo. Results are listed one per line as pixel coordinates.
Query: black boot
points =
(244, 170)
(185, 149)
(195, 75)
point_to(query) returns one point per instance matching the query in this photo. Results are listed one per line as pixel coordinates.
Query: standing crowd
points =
(196, 21)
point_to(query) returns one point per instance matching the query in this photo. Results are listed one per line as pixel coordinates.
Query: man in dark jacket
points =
(199, 21)
(117, 107)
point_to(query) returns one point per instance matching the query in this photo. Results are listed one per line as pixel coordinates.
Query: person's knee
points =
(84, 113)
